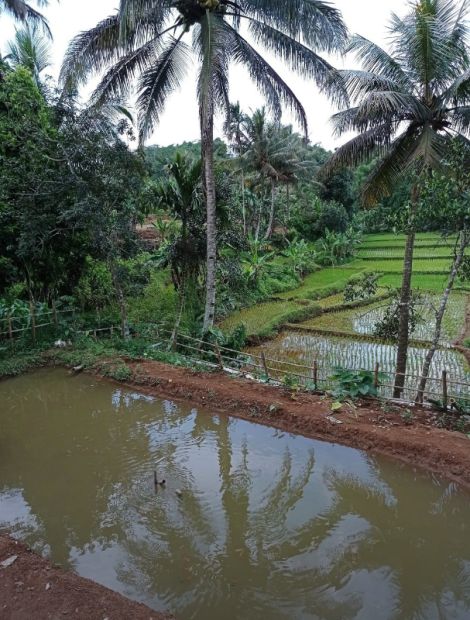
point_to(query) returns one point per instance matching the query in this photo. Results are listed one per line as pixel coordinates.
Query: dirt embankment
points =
(31, 588)
(381, 430)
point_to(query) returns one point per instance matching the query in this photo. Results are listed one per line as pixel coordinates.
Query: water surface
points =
(268, 526)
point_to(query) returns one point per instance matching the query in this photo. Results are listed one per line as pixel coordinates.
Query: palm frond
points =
(118, 80)
(360, 83)
(92, 51)
(377, 61)
(301, 59)
(461, 119)
(136, 15)
(317, 23)
(29, 49)
(359, 149)
(23, 11)
(158, 82)
(269, 82)
(394, 162)
(213, 48)
(458, 92)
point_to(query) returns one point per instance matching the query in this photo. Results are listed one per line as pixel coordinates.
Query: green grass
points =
(386, 237)
(320, 284)
(430, 252)
(438, 265)
(423, 282)
(264, 319)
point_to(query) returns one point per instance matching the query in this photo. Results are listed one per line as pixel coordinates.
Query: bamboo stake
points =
(445, 397)
(10, 328)
(33, 321)
(315, 374)
(265, 366)
(376, 375)
(54, 312)
(219, 356)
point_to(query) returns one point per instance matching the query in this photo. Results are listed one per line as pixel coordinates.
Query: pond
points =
(266, 524)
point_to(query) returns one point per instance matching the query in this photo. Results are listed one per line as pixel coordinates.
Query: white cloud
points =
(180, 121)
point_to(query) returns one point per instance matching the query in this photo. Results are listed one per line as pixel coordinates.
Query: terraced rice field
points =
(382, 253)
(363, 320)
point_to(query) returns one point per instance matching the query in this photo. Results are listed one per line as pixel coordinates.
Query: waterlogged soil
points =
(368, 426)
(252, 522)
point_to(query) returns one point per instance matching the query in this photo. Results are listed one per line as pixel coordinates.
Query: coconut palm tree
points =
(23, 11)
(275, 153)
(148, 43)
(409, 104)
(29, 49)
(234, 130)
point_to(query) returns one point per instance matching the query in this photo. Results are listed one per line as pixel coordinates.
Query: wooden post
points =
(94, 334)
(10, 328)
(219, 356)
(445, 396)
(33, 321)
(315, 374)
(265, 366)
(54, 312)
(111, 330)
(376, 375)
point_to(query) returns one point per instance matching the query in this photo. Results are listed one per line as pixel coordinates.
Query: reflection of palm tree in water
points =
(423, 570)
(250, 557)
(244, 539)
(224, 556)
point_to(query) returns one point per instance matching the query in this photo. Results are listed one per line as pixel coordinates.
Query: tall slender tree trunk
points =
(207, 152)
(125, 332)
(405, 300)
(243, 204)
(458, 259)
(270, 228)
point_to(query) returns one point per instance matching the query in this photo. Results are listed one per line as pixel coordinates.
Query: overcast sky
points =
(180, 122)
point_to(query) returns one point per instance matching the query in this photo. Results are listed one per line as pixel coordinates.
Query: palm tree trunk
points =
(125, 332)
(458, 259)
(405, 300)
(179, 316)
(243, 204)
(207, 152)
(269, 230)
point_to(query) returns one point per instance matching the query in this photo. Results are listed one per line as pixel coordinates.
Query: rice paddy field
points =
(362, 321)
(331, 352)
(335, 336)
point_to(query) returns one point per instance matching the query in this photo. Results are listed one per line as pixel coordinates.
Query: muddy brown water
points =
(267, 525)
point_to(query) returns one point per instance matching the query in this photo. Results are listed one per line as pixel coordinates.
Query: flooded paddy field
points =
(303, 348)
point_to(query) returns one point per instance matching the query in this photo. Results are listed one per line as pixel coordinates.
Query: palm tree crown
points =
(411, 102)
(148, 42)
(29, 49)
(23, 11)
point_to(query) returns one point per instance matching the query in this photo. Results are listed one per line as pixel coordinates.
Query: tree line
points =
(408, 107)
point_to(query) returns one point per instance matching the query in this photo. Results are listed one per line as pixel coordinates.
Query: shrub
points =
(362, 286)
(312, 222)
(354, 384)
(387, 327)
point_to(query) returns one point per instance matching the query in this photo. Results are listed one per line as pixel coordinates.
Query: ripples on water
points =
(269, 525)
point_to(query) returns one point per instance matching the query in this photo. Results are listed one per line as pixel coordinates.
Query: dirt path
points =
(31, 588)
(368, 427)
